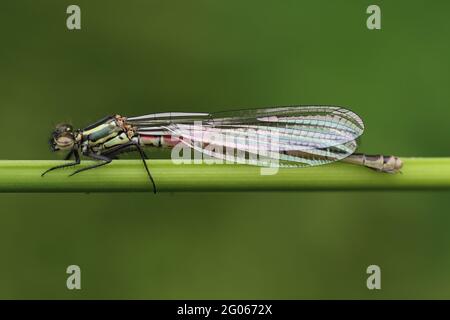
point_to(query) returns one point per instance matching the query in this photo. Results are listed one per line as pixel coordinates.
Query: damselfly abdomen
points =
(293, 136)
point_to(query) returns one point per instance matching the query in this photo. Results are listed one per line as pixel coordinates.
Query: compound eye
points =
(62, 128)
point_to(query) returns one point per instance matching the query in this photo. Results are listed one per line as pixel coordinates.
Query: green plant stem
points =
(129, 175)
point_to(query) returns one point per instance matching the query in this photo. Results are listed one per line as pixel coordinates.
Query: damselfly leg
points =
(69, 155)
(120, 149)
(66, 165)
(105, 160)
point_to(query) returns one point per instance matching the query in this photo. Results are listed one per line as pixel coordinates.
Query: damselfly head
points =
(63, 137)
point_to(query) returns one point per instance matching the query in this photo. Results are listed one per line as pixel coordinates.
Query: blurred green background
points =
(137, 57)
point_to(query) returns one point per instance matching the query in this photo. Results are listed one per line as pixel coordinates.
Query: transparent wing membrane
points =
(293, 136)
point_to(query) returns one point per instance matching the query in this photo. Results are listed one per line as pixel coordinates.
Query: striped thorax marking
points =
(110, 134)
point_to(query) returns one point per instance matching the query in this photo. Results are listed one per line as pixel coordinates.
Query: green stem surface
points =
(130, 175)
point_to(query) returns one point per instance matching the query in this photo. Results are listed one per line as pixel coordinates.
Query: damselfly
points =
(292, 136)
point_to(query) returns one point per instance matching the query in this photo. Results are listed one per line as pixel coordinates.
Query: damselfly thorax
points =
(293, 136)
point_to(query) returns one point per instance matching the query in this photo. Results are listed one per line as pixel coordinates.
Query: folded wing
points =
(288, 136)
